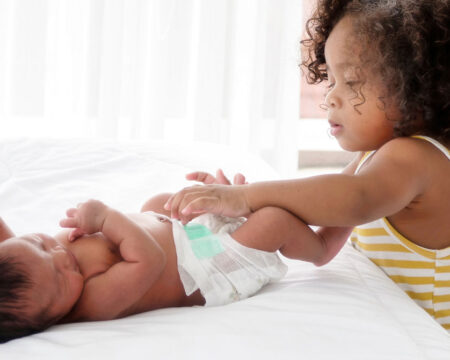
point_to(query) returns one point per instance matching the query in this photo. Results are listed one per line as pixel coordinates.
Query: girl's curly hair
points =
(406, 43)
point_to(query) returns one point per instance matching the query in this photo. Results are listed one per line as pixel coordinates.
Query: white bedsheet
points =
(347, 309)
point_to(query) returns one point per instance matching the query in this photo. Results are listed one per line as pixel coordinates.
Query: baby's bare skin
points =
(96, 253)
(107, 265)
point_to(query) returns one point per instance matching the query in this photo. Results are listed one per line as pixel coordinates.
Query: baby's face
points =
(56, 278)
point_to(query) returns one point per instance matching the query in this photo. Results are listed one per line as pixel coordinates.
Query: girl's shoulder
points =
(419, 152)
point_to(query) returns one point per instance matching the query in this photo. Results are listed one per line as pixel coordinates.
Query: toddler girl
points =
(388, 72)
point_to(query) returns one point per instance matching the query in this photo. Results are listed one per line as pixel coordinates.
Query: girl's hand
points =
(220, 178)
(223, 200)
(87, 218)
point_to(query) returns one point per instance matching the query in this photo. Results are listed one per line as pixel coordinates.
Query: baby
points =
(108, 265)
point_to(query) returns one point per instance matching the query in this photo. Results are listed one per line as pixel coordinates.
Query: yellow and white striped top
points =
(424, 274)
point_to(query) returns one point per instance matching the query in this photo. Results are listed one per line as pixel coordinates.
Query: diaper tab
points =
(203, 242)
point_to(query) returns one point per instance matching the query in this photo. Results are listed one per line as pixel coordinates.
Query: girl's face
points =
(366, 126)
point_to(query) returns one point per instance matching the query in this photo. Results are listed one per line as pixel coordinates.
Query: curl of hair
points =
(404, 42)
(14, 322)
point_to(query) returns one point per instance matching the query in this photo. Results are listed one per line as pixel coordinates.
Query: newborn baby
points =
(109, 265)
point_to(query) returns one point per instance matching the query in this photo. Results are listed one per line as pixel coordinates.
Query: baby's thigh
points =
(156, 204)
(266, 229)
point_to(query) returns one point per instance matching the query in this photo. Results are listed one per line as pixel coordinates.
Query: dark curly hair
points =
(406, 43)
(14, 282)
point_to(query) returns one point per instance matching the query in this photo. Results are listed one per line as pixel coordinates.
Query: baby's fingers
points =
(71, 212)
(69, 223)
(75, 234)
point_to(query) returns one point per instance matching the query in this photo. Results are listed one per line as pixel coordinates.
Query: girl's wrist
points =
(247, 199)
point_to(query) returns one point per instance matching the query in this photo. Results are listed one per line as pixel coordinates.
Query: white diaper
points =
(209, 259)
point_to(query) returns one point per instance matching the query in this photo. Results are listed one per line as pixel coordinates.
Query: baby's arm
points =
(108, 295)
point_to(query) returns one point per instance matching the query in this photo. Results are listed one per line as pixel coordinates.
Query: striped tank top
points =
(424, 274)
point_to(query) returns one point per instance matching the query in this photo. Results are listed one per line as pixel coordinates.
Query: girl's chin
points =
(347, 146)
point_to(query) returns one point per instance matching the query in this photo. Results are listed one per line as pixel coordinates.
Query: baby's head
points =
(39, 284)
(403, 46)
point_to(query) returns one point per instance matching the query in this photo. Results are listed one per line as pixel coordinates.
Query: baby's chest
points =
(96, 254)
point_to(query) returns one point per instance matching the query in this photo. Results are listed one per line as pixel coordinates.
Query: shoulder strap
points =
(366, 156)
(435, 143)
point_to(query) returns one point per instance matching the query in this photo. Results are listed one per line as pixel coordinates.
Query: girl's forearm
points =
(320, 200)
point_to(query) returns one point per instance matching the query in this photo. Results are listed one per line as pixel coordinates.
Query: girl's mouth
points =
(335, 128)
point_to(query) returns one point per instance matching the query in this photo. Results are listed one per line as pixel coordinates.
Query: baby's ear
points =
(5, 231)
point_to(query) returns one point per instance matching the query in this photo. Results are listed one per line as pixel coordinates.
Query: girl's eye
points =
(330, 86)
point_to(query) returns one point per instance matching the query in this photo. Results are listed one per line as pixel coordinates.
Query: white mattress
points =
(347, 309)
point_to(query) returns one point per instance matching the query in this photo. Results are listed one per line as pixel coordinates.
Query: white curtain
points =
(222, 71)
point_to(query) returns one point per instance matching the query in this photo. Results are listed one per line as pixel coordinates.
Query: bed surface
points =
(347, 309)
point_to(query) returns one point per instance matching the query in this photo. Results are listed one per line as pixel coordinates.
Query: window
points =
(316, 147)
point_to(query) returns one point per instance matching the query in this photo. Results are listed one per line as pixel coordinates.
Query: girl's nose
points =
(332, 100)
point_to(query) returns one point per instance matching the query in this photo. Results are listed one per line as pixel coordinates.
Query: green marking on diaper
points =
(203, 242)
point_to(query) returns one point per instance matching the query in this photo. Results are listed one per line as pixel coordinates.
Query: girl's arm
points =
(394, 176)
(109, 294)
(333, 238)
(272, 228)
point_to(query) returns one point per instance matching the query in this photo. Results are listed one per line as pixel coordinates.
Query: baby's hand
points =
(220, 178)
(87, 218)
(217, 199)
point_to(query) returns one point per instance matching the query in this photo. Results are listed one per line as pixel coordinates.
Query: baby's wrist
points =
(105, 213)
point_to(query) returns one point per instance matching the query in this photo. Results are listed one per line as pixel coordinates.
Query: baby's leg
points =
(156, 204)
(271, 229)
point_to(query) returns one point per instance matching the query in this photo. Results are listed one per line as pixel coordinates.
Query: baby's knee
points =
(156, 203)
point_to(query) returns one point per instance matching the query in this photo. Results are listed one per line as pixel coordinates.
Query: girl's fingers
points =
(201, 176)
(239, 179)
(181, 199)
(207, 178)
(200, 205)
(168, 204)
(221, 178)
(173, 204)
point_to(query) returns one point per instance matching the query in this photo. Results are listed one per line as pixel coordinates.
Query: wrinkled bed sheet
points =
(347, 309)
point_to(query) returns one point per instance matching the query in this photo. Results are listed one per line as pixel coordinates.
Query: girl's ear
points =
(5, 231)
